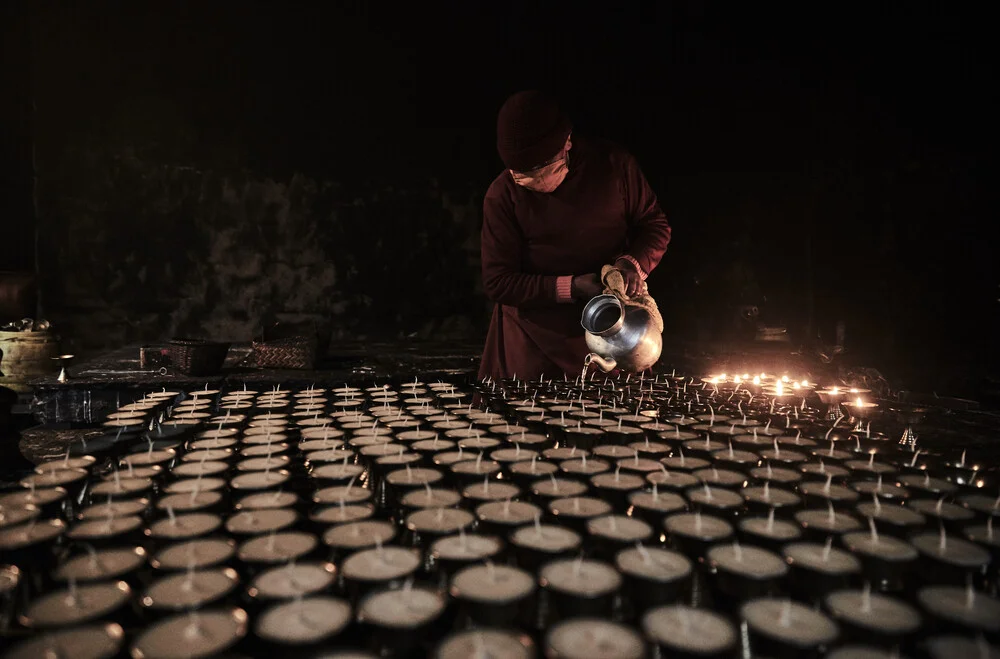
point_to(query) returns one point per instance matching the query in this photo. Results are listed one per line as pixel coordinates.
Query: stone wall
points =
(197, 179)
(136, 250)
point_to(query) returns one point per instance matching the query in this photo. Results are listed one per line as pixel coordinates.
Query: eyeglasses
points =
(558, 156)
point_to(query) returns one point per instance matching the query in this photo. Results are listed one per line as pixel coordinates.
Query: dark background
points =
(193, 168)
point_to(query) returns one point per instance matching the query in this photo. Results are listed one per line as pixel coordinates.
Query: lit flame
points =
(836, 390)
(722, 377)
(853, 390)
(784, 378)
(780, 389)
(746, 376)
(756, 379)
(805, 383)
(737, 379)
(796, 385)
(858, 402)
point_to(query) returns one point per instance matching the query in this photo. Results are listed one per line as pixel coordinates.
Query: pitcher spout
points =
(606, 365)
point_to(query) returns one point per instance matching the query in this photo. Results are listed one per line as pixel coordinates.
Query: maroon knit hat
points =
(531, 128)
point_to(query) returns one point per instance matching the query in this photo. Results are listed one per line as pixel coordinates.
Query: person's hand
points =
(586, 286)
(633, 280)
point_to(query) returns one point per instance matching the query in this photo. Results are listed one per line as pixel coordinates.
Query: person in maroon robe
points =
(564, 207)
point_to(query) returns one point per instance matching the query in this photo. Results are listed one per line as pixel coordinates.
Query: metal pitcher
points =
(620, 336)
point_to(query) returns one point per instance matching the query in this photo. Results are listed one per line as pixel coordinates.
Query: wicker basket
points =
(197, 357)
(295, 352)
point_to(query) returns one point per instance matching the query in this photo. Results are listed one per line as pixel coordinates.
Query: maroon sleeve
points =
(502, 245)
(649, 231)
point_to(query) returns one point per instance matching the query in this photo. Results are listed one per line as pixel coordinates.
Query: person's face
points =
(549, 175)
